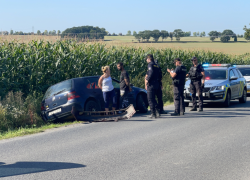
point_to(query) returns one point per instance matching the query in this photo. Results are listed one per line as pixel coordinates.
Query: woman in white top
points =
(105, 83)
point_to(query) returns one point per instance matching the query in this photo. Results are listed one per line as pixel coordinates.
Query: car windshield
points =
(215, 74)
(245, 71)
(58, 88)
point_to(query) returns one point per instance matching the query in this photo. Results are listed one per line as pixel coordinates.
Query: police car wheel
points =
(228, 99)
(142, 104)
(243, 99)
(186, 104)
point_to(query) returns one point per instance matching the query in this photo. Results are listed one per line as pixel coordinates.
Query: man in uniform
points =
(179, 77)
(124, 86)
(159, 92)
(197, 76)
(152, 84)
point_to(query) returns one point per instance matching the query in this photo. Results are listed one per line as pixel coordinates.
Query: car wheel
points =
(142, 103)
(228, 99)
(91, 105)
(186, 104)
(243, 99)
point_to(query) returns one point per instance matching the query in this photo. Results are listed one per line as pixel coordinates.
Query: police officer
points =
(159, 92)
(152, 85)
(179, 77)
(197, 76)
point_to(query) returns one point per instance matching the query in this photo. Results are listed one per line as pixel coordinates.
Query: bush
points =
(17, 111)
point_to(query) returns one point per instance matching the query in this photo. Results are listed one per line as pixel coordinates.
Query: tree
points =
(38, 32)
(146, 35)
(45, 32)
(156, 34)
(247, 33)
(134, 33)
(138, 37)
(11, 32)
(226, 35)
(171, 35)
(53, 32)
(187, 34)
(164, 34)
(178, 33)
(213, 35)
(194, 34)
(58, 32)
(128, 33)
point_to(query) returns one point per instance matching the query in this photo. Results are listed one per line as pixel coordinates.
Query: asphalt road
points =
(213, 144)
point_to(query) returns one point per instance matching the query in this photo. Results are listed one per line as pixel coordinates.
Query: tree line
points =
(156, 34)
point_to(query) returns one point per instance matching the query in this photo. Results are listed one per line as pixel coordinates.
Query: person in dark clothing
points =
(197, 76)
(152, 85)
(159, 92)
(124, 86)
(179, 77)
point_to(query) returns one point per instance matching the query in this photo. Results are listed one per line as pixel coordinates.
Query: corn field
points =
(35, 66)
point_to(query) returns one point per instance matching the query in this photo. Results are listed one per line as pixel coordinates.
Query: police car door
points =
(240, 83)
(233, 84)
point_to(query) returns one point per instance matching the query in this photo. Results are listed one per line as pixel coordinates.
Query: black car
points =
(85, 95)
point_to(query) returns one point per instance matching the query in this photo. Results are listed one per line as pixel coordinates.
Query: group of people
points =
(153, 85)
(105, 84)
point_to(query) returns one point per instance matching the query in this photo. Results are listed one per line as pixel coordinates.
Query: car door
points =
(241, 82)
(233, 84)
(94, 91)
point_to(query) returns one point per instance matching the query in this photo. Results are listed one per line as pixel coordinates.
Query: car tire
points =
(228, 99)
(142, 103)
(186, 104)
(91, 105)
(243, 99)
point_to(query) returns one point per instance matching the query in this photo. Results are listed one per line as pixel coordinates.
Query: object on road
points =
(115, 115)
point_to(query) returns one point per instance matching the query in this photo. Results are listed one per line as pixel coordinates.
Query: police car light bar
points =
(216, 65)
(241, 65)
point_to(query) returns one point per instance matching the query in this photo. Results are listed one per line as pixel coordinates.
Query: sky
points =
(119, 16)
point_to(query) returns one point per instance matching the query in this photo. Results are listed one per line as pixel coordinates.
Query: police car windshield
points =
(215, 74)
(245, 71)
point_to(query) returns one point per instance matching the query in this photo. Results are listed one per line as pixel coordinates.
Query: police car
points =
(245, 71)
(222, 84)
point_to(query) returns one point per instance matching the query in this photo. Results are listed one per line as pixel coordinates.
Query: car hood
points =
(210, 83)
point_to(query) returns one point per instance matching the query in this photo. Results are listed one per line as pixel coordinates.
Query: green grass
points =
(26, 131)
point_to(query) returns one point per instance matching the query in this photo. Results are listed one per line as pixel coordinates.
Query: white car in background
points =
(223, 83)
(245, 71)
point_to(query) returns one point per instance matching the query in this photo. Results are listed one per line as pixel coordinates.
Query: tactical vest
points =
(194, 73)
(180, 77)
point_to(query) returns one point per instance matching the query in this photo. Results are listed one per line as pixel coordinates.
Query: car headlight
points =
(217, 88)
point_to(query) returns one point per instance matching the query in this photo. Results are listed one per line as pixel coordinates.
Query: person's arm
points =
(203, 77)
(172, 74)
(100, 82)
(128, 84)
(146, 81)
(150, 72)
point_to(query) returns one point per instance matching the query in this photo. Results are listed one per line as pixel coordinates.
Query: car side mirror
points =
(233, 78)
(131, 85)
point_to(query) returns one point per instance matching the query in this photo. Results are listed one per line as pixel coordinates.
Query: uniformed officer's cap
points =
(194, 58)
(176, 59)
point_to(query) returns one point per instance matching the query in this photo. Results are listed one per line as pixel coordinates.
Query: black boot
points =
(163, 112)
(181, 113)
(200, 109)
(193, 109)
(152, 116)
(175, 114)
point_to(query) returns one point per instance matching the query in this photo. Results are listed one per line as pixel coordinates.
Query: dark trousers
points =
(195, 87)
(151, 92)
(159, 98)
(124, 102)
(109, 95)
(179, 99)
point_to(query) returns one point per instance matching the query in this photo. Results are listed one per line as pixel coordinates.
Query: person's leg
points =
(124, 103)
(199, 92)
(182, 105)
(159, 98)
(106, 101)
(193, 92)
(151, 96)
(177, 100)
(114, 99)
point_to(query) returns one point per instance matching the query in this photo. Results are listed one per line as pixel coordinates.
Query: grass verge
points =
(25, 131)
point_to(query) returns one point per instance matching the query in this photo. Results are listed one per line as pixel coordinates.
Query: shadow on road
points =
(20, 168)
